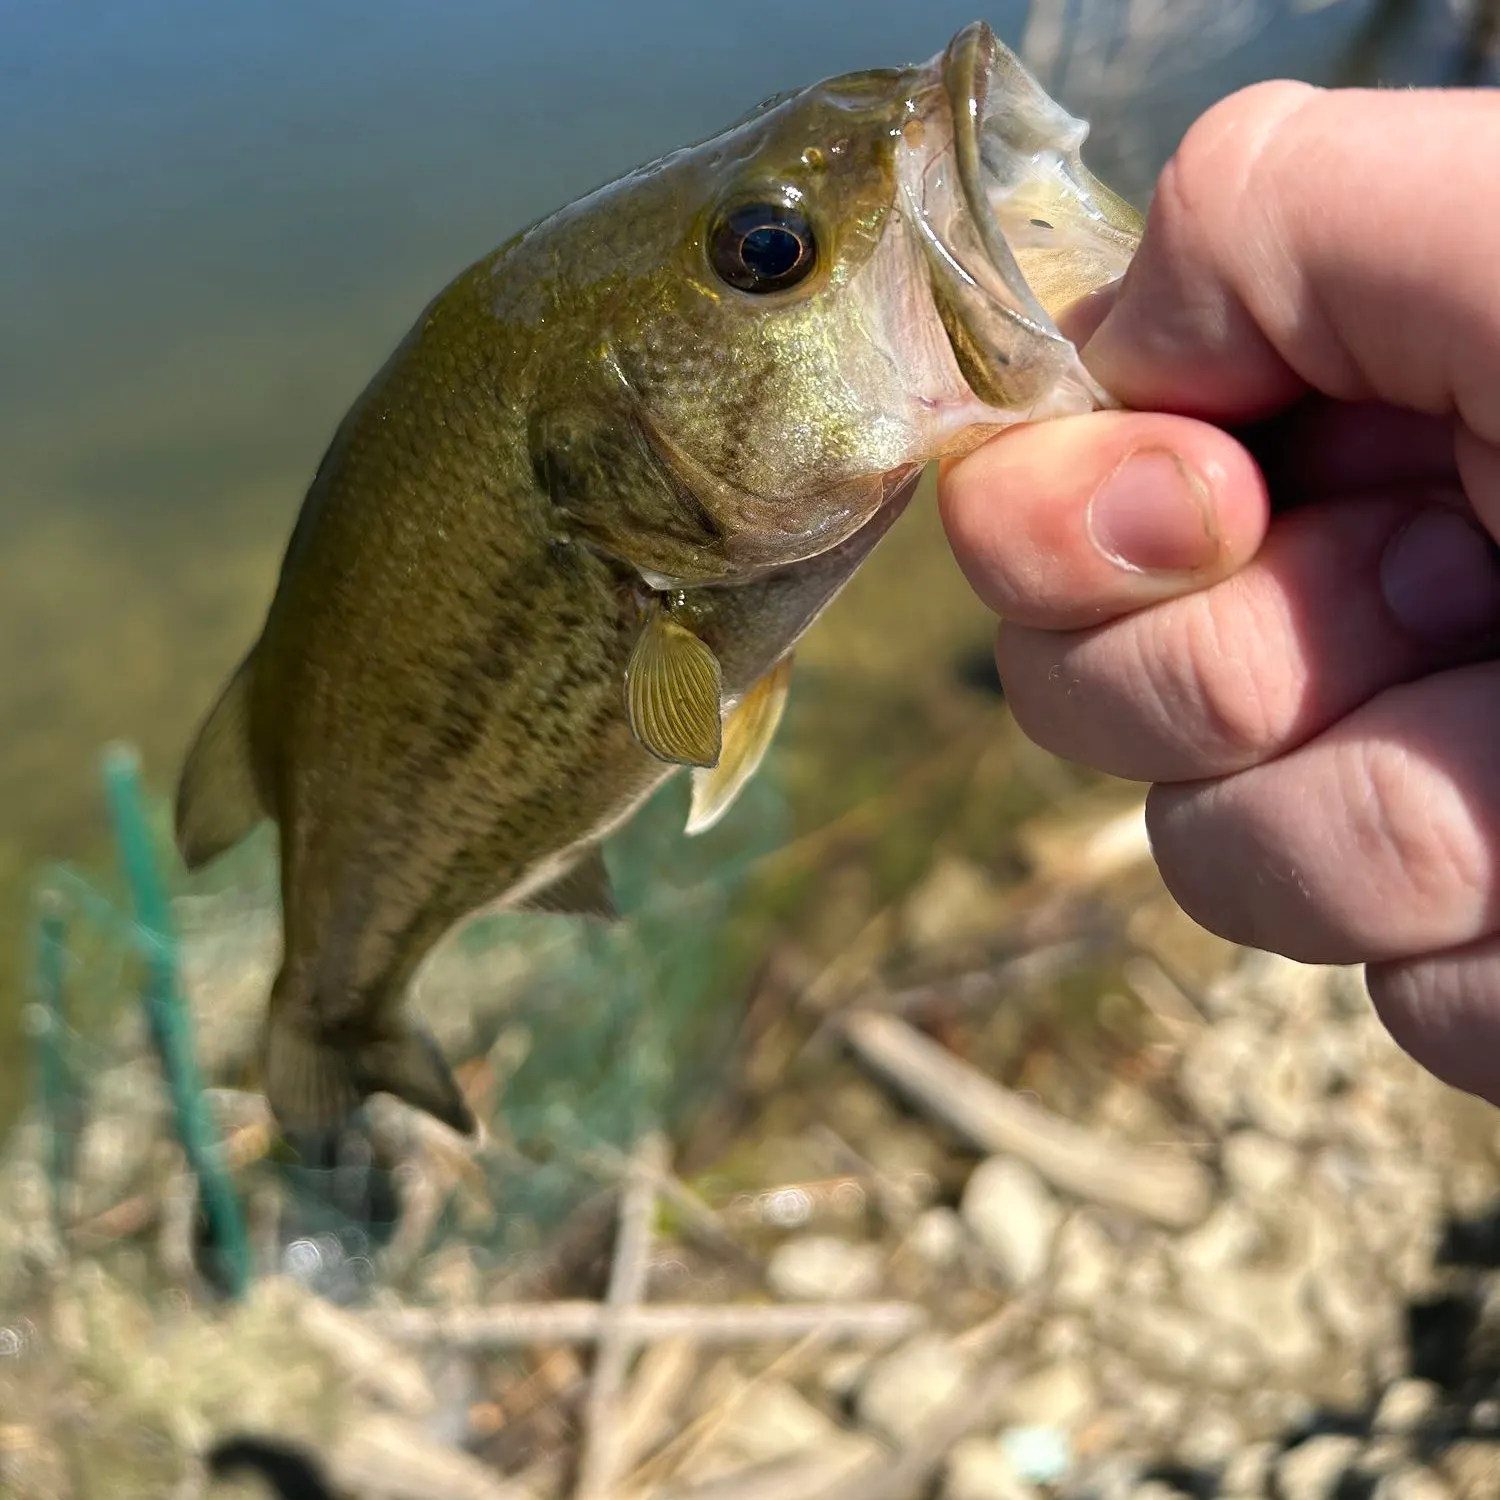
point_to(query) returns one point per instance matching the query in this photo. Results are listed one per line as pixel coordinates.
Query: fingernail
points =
(1154, 515)
(1441, 577)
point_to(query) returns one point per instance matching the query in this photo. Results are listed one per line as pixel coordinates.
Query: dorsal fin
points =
(217, 802)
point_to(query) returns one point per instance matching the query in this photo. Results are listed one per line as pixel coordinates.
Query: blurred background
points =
(215, 222)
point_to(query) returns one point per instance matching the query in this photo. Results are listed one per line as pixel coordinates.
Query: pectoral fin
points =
(314, 1082)
(583, 891)
(748, 732)
(673, 689)
(217, 803)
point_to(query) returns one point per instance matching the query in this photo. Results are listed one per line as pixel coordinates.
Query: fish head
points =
(789, 319)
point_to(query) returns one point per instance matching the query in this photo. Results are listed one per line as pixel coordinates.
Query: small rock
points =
(978, 1469)
(1063, 1338)
(1111, 1478)
(1157, 1408)
(936, 1238)
(1248, 1473)
(1214, 1072)
(1085, 1262)
(1413, 1483)
(1407, 1406)
(1010, 1211)
(1484, 1416)
(1271, 1308)
(1285, 1095)
(1472, 1468)
(823, 1268)
(773, 1420)
(1259, 1167)
(905, 1390)
(1210, 1439)
(1314, 1469)
(1228, 1237)
(1060, 1396)
(1156, 1489)
(1039, 1455)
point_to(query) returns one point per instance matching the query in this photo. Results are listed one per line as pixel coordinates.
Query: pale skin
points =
(1314, 693)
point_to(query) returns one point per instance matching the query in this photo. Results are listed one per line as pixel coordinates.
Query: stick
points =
(602, 1457)
(580, 1323)
(1161, 1185)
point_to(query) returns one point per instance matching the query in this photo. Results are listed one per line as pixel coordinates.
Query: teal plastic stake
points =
(54, 1071)
(169, 1017)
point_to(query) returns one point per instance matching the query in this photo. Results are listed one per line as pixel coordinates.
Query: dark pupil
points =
(762, 248)
(771, 250)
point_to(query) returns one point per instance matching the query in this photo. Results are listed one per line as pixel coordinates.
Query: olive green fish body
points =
(567, 538)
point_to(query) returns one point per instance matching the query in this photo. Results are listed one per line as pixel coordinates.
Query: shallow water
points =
(215, 222)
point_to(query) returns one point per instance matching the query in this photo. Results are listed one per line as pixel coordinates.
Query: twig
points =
(700, 1222)
(698, 1434)
(1161, 1185)
(662, 1377)
(602, 1458)
(580, 1323)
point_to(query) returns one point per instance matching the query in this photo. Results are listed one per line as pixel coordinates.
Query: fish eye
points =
(762, 247)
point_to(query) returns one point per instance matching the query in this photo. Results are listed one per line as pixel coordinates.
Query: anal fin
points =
(748, 731)
(673, 691)
(217, 801)
(584, 890)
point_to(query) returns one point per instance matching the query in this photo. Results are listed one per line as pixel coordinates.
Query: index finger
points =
(1339, 240)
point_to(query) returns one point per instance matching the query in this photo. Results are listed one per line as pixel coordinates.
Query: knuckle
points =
(1413, 839)
(1216, 667)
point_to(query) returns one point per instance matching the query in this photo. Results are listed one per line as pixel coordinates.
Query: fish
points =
(565, 542)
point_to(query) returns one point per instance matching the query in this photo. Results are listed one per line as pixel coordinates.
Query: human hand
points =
(1297, 648)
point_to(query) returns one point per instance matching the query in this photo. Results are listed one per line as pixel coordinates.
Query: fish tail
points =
(315, 1080)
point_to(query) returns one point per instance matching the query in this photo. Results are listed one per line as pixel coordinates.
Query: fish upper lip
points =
(969, 67)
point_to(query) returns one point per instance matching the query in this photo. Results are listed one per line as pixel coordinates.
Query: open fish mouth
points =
(1013, 225)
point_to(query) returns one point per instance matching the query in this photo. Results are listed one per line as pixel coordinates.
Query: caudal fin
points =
(314, 1083)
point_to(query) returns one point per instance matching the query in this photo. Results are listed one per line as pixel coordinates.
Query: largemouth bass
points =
(568, 537)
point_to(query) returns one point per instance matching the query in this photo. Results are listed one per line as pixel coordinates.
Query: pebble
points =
(1085, 1262)
(1407, 1406)
(1058, 1396)
(1258, 1167)
(1249, 1471)
(1414, 1483)
(1213, 1073)
(979, 1469)
(936, 1238)
(1472, 1468)
(1013, 1215)
(906, 1389)
(1314, 1469)
(824, 1268)
(1270, 1309)
(1210, 1439)
(1285, 1095)
(771, 1421)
